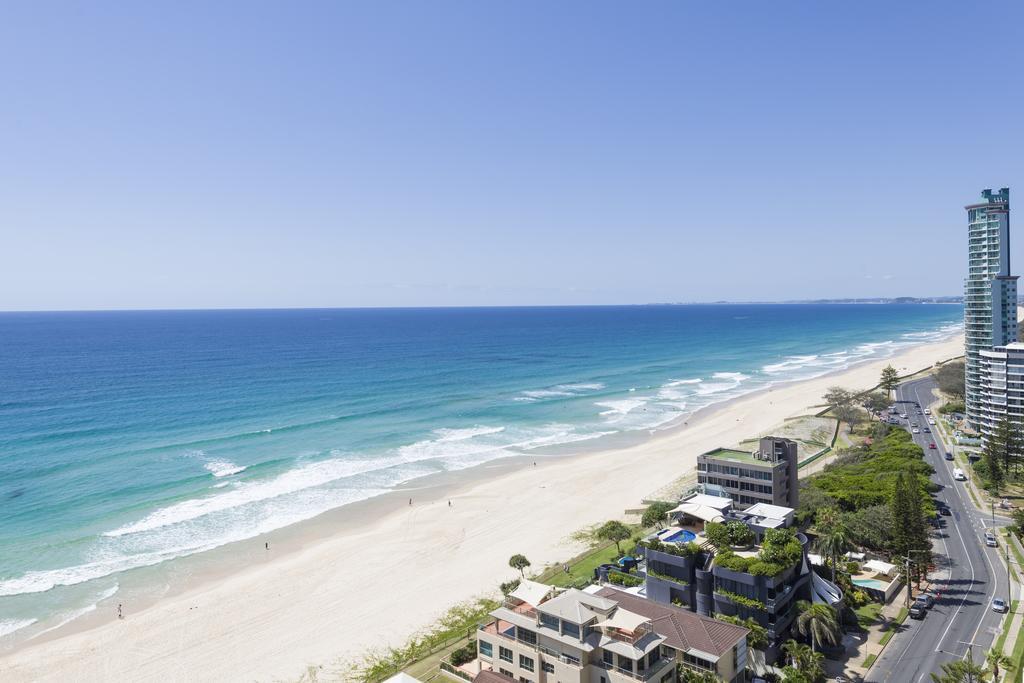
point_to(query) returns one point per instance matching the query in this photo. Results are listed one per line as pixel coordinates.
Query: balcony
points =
(653, 671)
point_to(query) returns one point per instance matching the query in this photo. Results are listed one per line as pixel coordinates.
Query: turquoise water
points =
(129, 439)
(682, 536)
(870, 583)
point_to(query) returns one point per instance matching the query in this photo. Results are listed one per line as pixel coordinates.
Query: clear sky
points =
(270, 154)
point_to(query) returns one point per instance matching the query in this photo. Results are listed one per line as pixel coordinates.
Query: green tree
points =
(509, 586)
(614, 531)
(688, 675)
(655, 514)
(890, 380)
(959, 671)
(805, 663)
(758, 636)
(833, 539)
(1004, 446)
(993, 467)
(996, 660)
(818, 622)
(950, 378)
(873, 402)
(519, 562)
(900, 508)
(844, 405)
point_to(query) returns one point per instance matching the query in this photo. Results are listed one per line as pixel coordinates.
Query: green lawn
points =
(581, 569)
(1006, 627)
(869, 660)
(868, 614)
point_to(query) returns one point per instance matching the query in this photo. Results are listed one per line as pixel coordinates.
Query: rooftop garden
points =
(779, 551)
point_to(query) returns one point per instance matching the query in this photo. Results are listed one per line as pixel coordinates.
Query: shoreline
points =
(312, 606)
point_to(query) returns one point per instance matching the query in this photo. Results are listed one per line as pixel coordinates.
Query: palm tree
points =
(997, 659)
(833, 539)
(959, 671)
(818, 622)
(798, 653)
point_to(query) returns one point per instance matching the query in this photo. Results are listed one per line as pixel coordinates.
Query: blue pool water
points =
(681, 536)
(870, 583)
(128, 439)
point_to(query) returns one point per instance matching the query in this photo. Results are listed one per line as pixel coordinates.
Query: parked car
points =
(927, 411)
(999, 605)
(948, 456)
(931, 420)
(990, 539)
(944, 511)
(925, 599)
(926, 430)
(903, 415)
(916, 430)
(917, 611)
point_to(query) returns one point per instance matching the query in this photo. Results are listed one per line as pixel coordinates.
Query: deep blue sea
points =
(131, 438)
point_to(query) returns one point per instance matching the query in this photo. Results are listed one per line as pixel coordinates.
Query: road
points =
(968, 574)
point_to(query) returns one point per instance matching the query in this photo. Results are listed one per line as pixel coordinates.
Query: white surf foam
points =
(67, 617)
(223, 468)
(9, 626)
(621, 407)
(560, 391)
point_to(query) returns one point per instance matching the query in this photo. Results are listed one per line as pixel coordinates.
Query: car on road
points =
(990, 539)
(931, 446)
(917, 611)
(916, 430)
(926, 599)
(944, 511)
(903, 415)
(999, 605)
(959, 475)
(948, 456)
(927, 411)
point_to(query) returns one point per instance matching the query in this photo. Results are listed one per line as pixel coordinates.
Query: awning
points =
(880, 567)
(624, 620)
(704, 512)
(530, 592)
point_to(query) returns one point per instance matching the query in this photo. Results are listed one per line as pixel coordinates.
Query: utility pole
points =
(970, 660)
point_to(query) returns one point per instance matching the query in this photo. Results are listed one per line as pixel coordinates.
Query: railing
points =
(644, 675)
(449, 668)
(565, 659)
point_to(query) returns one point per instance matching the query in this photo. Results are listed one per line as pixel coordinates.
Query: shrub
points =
(718, 534)
(466, 653)
(685, 550)
(739, 533)
(952, 407)
(627, 580)
(655, 513)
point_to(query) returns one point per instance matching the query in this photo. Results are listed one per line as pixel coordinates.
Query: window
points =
(625, 663)
(549, 621)
(486, 649)
(608, 657)
(526, 635)
(547, 667)
(505, 654)
(525, 662)
(570, 629)
(506, 672)
(698, 662)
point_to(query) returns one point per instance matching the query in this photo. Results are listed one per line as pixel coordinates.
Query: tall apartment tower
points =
(990, 292)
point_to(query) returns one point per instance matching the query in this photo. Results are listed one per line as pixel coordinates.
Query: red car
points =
(931, 446)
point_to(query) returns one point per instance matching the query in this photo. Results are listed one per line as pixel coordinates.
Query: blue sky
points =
(253, 154)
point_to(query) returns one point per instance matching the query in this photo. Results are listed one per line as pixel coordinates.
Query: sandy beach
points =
(372, 575)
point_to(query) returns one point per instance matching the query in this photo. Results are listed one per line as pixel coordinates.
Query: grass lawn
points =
(868, 614)
(1017, 656)
(581, 569)
(1006, 627)
(869, 660)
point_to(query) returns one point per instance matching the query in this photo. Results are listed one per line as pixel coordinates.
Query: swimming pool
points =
(681, 536)
(870, 583)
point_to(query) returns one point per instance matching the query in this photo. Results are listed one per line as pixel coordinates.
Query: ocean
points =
(128, 439)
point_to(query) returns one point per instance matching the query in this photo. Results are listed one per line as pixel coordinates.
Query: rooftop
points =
(734, 455)
(682, 629)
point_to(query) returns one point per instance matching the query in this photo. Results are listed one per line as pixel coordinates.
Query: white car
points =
(903, 415)
(916, 430)
(959, 475)
(931, 420)
(927, 411)
(999, 605)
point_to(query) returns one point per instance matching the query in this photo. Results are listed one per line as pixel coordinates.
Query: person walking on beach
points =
(410, 501)
(120, 614)
(267, 545)
(449, 503)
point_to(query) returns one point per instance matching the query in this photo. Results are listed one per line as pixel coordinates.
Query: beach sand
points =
(370, 575)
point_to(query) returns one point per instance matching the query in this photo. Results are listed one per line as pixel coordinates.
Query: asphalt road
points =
(968, 574)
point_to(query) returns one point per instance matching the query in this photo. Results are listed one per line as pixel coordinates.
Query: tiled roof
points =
(491, 677)
(681, 628)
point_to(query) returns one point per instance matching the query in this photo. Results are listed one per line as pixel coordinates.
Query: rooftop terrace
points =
(735, 456)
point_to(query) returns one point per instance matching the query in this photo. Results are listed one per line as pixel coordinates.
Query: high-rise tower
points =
(990, 292)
